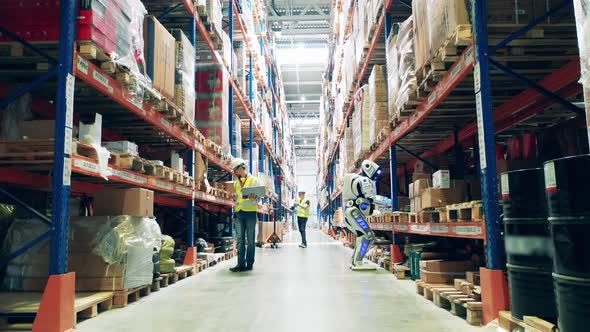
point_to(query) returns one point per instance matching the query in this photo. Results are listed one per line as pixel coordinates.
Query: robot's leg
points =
(357, 223)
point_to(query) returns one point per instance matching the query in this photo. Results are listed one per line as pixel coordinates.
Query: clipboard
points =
(259, 191)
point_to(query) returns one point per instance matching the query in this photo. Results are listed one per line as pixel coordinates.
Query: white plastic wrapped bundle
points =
(107, 253)
(582, 10)
(185, 75)
(360, 122)
(406, 64)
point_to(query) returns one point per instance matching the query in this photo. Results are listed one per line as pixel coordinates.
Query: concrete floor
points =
(290, 289)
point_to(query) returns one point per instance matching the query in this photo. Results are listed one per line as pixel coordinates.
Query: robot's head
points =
(371, 170)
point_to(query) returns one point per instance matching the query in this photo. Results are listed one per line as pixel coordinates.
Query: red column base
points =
(190, 258)
(396, 254)
(56, 311)
(494, 293)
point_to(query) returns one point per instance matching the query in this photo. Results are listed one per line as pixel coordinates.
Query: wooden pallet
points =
(529, 323)
(401, 271)
(399, 217)
(18, 309)
(36, 152)
(468, 211)
(122, 298)
(428, 216)
(467, 306)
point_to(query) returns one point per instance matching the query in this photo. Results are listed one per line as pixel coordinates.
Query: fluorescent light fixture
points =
(303, 98)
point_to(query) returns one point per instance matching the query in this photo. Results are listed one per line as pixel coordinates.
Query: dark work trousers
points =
(246, 231)
(302, 223)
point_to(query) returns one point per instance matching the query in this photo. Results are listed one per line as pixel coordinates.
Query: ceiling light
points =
(304, 141)
(301, 46)
(303, 98)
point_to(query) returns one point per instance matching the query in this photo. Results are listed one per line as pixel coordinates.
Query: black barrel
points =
(523, 194)
(531, 292)
(571, 245)
(573, 301)
(567, 183)
(567, 186)
(528, 245)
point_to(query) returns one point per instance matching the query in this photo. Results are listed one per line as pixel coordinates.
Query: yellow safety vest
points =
(244, 204)
(301, 212)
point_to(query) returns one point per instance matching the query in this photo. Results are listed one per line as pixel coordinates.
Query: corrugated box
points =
(437, 197)
(160, 52)
(138, 202)
(438, 265)
(420, 185)
(37, 129)
(441, 179)
(122, 147)
(440, 278)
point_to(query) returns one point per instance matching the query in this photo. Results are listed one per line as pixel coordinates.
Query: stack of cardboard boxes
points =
(378, 114)
(434, 190)
(212, 102)
(444, 272)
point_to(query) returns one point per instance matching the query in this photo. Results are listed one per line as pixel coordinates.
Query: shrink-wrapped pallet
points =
(401, 73)
(360, 123)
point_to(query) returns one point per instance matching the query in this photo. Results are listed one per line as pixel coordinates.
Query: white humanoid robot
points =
(359, 194)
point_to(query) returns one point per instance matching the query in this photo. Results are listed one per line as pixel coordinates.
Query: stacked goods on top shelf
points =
(184, 75)
(160, 54)
(360, 123)
(378, 114)
(401, 74)
(254, 168)
(434, 22)
(349, 147)
(583, 25)
(212, 100)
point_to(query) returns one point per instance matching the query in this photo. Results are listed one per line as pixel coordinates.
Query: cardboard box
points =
(122, 147)
(441, 179)
(176, 163)
(420, 185)
(437, 197)
(229, 187)
(437, 265)
(160, 54)
(440, 278)
(132, 202)
(411, 190)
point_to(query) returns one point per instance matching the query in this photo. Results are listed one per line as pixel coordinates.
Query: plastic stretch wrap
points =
(107, 253)
(435, 21)
(255, 158)
(406, 65)
(185, 75)
(392, 60)
(360, 123)
(238, 135)
(17, 111)
(134, 12)
(582, 10)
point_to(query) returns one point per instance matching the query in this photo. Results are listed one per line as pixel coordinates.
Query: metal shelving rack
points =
(490, 114)
(71, 66)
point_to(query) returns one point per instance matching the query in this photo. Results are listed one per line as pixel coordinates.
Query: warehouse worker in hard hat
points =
(303, 205)
(245, 216)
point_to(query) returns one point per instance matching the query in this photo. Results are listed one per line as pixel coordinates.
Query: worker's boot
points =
(238, 268)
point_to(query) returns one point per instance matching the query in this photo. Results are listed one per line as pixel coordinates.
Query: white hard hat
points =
(237, 162)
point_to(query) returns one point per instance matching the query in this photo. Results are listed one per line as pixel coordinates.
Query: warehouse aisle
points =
(290, 289)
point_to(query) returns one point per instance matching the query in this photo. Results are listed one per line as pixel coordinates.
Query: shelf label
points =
(550, 178)
(183, 190)
(67, 177)
(431, 98)
(68, 141)
(166, 123)
(480, 132)
(456, 70)
(468, 230)
(185, 136)
(86, 165)
(163, 185)
(469, 55)
(439, 229)
(476, 78)
(387, 227)
(420, 228)
(82, 65)
(70, 84)
(130, 176)
(505, 186)
(139, 105)
(100, 78)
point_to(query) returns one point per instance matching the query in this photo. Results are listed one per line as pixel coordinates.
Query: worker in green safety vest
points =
(245, 216)
(303, 205)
